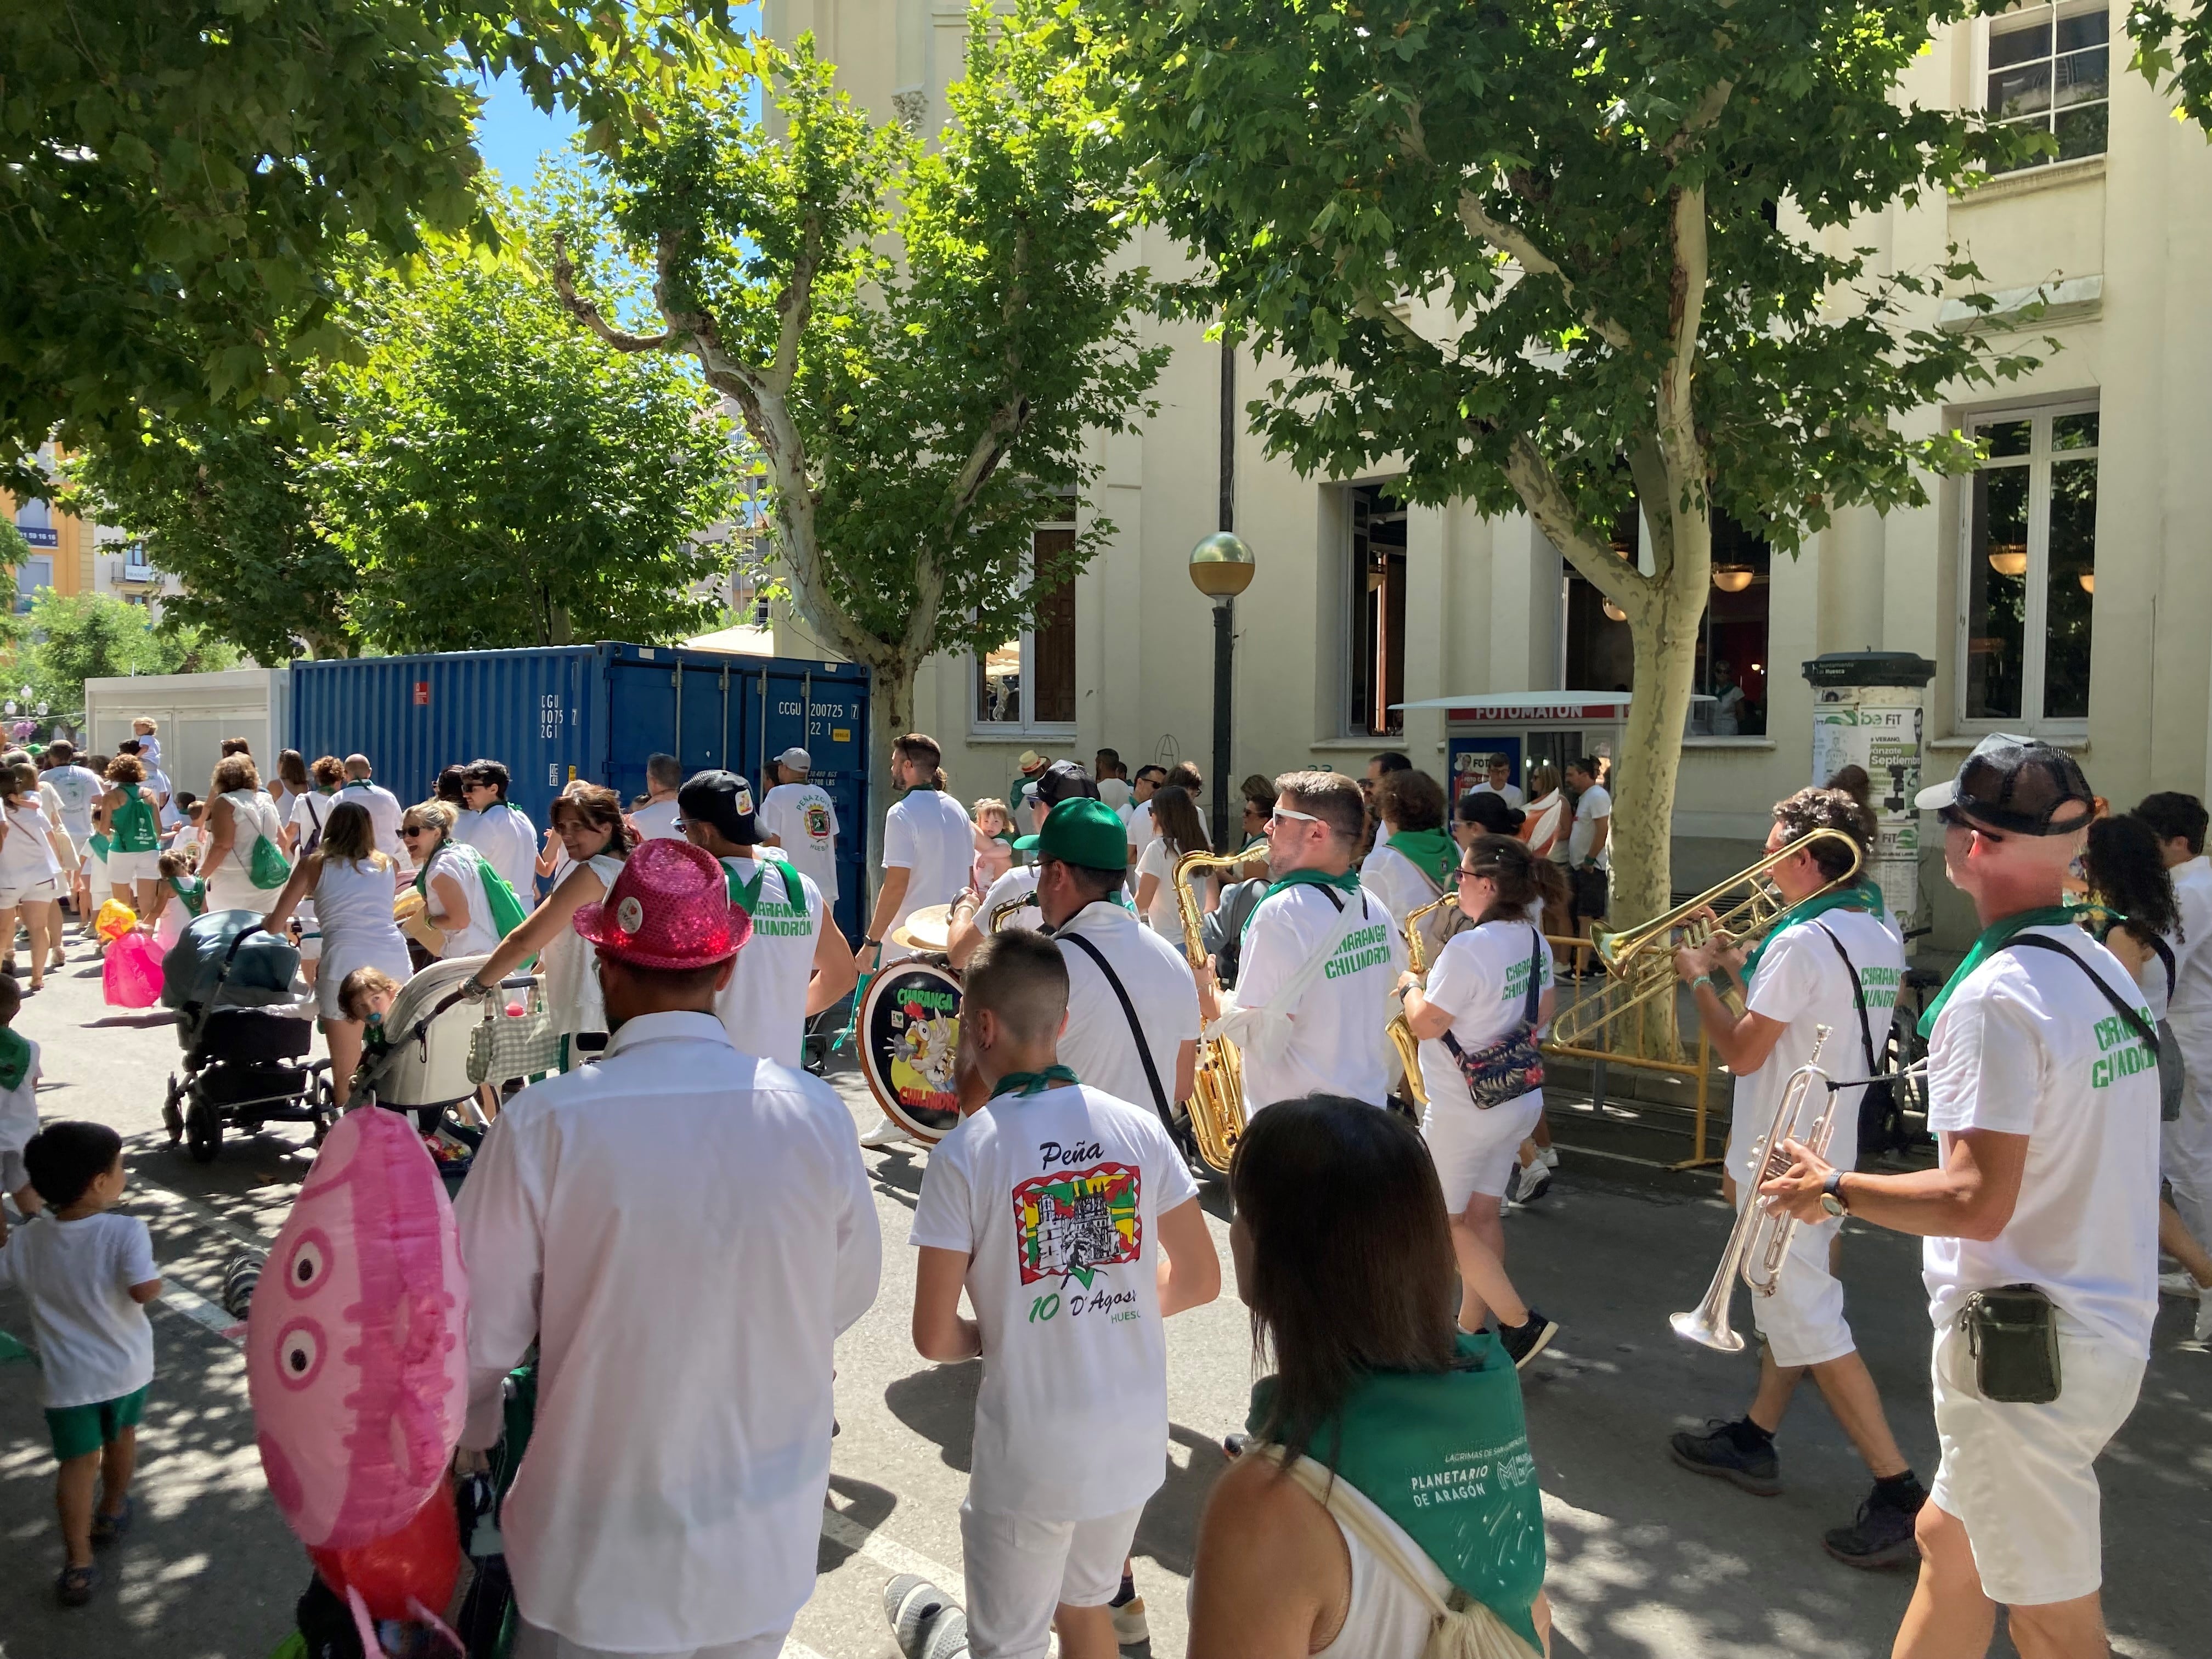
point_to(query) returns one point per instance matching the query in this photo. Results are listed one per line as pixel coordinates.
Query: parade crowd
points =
(667, 1235)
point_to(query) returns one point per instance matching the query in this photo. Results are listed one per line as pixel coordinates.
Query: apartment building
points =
(77, 555)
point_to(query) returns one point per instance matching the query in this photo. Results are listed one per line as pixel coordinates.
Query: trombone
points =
(1758, 1244)
(1640, 961)
(1401, 1033)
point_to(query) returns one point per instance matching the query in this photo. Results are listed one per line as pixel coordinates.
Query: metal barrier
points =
(1699, 1072)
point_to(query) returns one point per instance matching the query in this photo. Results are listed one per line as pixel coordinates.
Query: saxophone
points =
(1401, 1033)
(1216, 1094)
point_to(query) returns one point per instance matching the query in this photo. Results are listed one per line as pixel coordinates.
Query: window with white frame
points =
(2049, 69)
(1374, 593)
(2028, 585)
(1026, 686)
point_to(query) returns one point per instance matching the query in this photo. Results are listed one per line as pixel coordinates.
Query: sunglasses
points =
(1284, 813)
(1954, 818)
(415, 830)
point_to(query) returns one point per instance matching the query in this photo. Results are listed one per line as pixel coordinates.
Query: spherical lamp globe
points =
(1221, 565)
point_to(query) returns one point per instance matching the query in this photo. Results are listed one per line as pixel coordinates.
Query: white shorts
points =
(124, 868)
(534, 1642)
(36, 892)
(1475, 1151)
(2021, 1478)
(1802, 1323)
(1019, 1571)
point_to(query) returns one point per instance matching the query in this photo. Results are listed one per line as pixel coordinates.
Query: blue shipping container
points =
(596, 712)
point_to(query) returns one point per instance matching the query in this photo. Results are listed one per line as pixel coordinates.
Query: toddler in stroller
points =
(247, 1026)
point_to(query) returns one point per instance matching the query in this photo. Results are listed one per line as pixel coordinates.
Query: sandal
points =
(75, 1584)
(106, 1528)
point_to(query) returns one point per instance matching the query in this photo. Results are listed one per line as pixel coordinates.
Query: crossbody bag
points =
(2012, 1330)
(1129, 1013)
(1513, 1066)
(1881, 1116)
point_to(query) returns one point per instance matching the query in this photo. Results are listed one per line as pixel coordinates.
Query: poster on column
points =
(1882, 738)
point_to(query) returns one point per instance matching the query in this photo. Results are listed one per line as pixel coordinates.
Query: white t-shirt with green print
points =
(1337, 1046)
(2027, 1046)
(763, 1007)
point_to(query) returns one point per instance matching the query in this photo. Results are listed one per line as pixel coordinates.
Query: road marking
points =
(195, 1307)
(145, 1186)
(848, 1533)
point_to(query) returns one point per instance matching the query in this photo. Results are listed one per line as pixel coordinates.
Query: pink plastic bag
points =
(132, 977)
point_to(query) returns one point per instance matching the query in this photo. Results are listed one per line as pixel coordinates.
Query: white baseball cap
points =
(795, 760)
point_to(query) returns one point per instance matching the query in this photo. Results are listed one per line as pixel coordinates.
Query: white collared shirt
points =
(683, 1230)
(509, 841)
(384, 816)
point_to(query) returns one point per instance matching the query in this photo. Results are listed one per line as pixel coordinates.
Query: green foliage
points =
(180, 180)
(1514, 171)
(483, 478)
(919, 343)
(498, 481)
(74, 637)
(2173, 46)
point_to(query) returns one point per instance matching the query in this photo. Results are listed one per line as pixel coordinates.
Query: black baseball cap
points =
(723, 800)
(2016, 785)
(1064, 781)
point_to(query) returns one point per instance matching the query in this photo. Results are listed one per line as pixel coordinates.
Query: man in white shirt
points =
(1827, 964)
(499, 829)
(798, 816)
(1588, 857)
(2043, 1093)
(2185, 1145)
(797, 963)
(1320, 958)
(686, 1521)
(1067, 1218)
(971, 915)
(1380, 767)
(1497, 775)
(658, 819)
(1128, 986)
(79, 789)
(383, 808)
(1113, 785)
(1139, 823)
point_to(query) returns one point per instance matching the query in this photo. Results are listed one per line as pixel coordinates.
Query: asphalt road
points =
(1646, 1561)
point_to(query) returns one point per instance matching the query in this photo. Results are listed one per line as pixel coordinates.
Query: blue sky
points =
(513, 133)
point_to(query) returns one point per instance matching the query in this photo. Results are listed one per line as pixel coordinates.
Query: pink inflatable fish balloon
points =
(355, 1350)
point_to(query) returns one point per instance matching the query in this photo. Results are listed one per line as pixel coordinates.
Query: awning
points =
(1540, 705)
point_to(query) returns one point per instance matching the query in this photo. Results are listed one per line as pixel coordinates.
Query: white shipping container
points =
(193, 713)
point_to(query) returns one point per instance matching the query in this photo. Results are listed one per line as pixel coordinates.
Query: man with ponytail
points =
(1830, 962)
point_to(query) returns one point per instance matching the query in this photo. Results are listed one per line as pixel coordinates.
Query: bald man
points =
(383, 807)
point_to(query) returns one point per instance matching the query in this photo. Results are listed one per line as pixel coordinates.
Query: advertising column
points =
(1866, 712)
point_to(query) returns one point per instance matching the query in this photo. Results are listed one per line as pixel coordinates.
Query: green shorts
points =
(76, 1430)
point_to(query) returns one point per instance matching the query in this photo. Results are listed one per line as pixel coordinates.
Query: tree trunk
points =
(890, 716)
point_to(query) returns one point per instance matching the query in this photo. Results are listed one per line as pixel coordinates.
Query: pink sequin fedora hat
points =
(669, 907)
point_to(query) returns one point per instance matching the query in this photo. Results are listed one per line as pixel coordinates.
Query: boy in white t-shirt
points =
(1051, 1205)
(87, 1276)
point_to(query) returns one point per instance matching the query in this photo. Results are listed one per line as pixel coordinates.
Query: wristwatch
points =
(1831, 1194)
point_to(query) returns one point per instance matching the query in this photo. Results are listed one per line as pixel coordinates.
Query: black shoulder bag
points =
(1881, 1115)
(1136, 1031)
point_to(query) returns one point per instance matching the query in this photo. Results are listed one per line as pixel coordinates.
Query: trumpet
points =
(1640, 961)
(1216, 1094)
(1758, 1244)
(1401, 1033)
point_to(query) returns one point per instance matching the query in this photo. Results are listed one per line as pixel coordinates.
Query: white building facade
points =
(2064, 589)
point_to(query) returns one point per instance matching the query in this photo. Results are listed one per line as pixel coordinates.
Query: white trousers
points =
(2185, 1145)
(534, 1642)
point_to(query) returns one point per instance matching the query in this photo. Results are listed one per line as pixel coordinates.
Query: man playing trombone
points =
(1827, 960)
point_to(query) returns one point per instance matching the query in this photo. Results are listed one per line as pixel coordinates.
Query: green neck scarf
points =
(1026, 1083)
(1445, 1454)
(1862, 895)
(1346, 883)
(14, 1058)
(1993, 938)
(1433, 852)
(745, 895)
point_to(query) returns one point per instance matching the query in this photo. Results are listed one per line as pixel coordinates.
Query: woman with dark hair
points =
(350, 882)
(449, 788)
(1485, 812)
(1491, 985)
(1180, 830)
(1409, 873)
(1854, 781)
(2133, 906)
(292, 782)
(1344, 1256)
(588, 819)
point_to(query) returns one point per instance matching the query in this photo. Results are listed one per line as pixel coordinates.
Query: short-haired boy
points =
(19, 1102)
(87, 1276)
(1053, 1206)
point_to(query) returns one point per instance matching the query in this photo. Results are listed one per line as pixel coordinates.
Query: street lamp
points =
(1221, 567)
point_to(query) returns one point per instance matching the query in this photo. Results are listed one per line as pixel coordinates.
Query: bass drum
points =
(909, 1032)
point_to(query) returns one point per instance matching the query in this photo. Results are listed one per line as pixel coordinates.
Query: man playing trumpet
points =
(1827, 961)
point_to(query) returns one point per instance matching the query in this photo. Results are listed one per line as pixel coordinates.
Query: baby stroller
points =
(247, 1030)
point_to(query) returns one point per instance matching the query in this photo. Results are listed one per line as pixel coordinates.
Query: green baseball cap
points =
(1081, 831)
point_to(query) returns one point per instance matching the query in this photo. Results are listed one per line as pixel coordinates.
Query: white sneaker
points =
(1548, 1156)
(2203, 1332)
(1129, 1626)
(886, 1134)
(2180, 1282)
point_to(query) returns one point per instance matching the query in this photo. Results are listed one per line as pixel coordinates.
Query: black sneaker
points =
(1525, 1342)
(1716, 1452)
(1880, 1537)
(1233, 1444)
